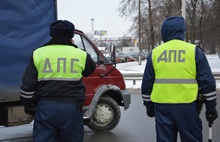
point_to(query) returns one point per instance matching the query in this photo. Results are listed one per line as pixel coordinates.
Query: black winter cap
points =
(62, 29)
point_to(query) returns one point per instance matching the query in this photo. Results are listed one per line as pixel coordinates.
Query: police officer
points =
(174, 73)
(53, 79)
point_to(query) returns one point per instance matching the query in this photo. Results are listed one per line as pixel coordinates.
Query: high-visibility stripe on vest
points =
(59, 62)
(175, 73)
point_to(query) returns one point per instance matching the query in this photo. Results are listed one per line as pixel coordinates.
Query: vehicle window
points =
(78, 41)
(83, 44)
(90, 50)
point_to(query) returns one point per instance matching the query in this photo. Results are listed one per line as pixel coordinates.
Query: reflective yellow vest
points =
(175, 73)
(59, 62)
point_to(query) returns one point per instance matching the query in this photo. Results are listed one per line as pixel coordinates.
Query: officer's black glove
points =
(150, 112)
(149, 108)
(211, 112)
(211, 116)
(29, 109)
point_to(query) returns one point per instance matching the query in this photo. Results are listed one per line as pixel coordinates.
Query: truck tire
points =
(106, 116)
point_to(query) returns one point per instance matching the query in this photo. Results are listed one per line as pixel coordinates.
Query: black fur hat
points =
(62, 29)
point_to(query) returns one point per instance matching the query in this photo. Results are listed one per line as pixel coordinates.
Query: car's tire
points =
(106, 116)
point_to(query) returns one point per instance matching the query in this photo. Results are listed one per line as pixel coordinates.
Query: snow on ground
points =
(214, 62)
(131, 67)
(134, 67)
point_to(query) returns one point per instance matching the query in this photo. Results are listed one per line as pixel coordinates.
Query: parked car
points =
(122, 56)
(125, 58)
(136, 55)
(117, 59)
(131, 59)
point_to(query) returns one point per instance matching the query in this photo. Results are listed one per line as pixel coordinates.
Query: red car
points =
(118, 60)
(131, 59)
(125, 58)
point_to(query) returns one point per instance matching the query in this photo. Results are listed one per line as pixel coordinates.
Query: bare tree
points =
(152, 44)
(201, 12)
(211, 29)
(192, 18)
(202, 20)
(128, 9)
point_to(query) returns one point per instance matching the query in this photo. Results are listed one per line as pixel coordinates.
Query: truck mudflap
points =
(126, 96)
(14, 115)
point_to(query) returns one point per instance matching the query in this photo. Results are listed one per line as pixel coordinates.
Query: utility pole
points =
(184, 13)
(139, 30)
(184, 9)
(92, 22)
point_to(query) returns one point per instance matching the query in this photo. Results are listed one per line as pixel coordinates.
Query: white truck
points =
(128, 50)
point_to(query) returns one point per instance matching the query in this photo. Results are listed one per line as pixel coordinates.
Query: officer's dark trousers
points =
(58, 122)
(174, 118)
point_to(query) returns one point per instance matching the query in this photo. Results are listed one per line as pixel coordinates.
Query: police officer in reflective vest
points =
(53, 79)
(174, 73)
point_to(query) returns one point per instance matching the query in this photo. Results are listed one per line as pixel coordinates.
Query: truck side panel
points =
(24, 27)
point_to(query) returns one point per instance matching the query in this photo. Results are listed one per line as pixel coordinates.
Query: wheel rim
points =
(104, 115)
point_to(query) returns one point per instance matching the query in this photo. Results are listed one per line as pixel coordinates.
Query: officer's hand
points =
(29, 109)
(150, 112)
(211, 115)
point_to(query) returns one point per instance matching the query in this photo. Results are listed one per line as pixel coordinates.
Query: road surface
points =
(134, 126)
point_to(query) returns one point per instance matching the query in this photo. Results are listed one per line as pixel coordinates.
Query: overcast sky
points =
(104, 13)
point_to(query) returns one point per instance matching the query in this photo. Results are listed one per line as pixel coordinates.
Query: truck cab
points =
(105, 88)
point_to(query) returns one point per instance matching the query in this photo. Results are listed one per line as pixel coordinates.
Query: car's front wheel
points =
(107, 115)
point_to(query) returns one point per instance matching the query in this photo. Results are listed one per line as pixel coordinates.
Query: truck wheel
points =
(106, 116)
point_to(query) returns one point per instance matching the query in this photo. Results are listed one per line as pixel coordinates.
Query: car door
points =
(96, 79)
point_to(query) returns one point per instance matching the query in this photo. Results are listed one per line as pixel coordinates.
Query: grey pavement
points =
(134, 126)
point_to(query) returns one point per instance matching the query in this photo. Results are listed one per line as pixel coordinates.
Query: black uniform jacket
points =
(67, 91)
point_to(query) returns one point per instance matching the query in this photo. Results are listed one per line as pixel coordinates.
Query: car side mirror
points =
(112, 52)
